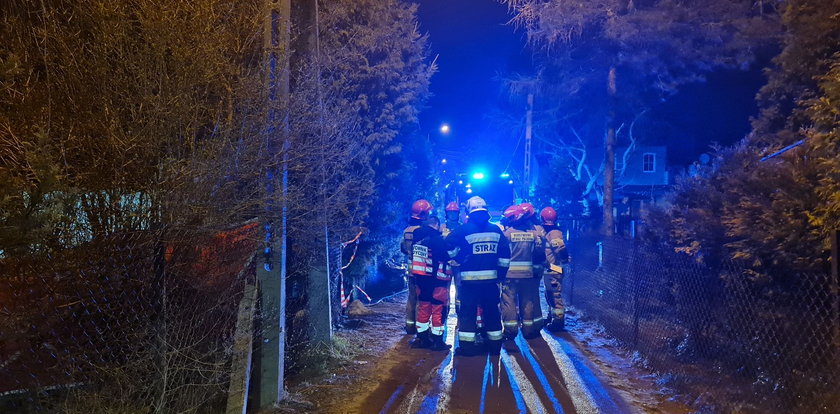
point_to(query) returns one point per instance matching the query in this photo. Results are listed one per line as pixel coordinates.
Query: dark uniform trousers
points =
(521, 298)
(411, 305)
(554, 294)
(486, 295)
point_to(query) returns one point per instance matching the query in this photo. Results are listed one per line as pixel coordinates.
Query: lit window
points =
(649, 162)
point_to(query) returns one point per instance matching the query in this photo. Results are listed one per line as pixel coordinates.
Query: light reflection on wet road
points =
(542, 375)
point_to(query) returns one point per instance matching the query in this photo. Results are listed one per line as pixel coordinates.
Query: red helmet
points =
(529, 209)
(514, 213)
(548, 215)
(421, 209)
(452, 206)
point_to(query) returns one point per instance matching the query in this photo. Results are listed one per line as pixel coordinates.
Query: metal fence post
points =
(835, 289)
(600, 254)
(637, 281)
(571, 277)
(835, 257)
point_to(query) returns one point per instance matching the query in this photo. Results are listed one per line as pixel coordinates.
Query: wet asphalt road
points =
(541, 375)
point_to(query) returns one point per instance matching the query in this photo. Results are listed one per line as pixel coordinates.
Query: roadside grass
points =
(322, 358)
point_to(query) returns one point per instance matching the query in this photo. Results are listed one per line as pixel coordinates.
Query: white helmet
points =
(476, 204)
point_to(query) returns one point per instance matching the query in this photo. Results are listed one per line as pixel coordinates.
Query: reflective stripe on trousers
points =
(532, 322)
(422, 327)
(478, 274)
(466, 336)
(474, 295)
(494, 335)
(521, 301)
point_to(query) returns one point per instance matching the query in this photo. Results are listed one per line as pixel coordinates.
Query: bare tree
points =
(640, 51)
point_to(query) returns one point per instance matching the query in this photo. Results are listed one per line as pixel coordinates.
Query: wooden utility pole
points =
(609, 157)
(529, 127)
(271, 269)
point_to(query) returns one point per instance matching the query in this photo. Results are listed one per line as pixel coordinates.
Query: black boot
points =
(556, 324)
(494, 347)
(422, 340)
(410, 329)
(438, 344)
(530, 333)
(467, 349)
(510, 334)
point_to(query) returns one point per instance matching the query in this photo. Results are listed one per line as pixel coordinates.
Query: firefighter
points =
(452, 219)
(479, 315)
(432, 276)
(521, 290)
(504, 222)
(556, 257)
(530, 211)
(483, 252)
(420, 211)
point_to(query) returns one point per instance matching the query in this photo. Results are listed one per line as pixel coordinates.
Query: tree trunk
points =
(609, 157)
(529, 120)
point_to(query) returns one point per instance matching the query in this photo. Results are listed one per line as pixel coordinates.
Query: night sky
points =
(475, 47)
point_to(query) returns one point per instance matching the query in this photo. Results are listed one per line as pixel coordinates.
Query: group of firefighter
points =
(496, 269)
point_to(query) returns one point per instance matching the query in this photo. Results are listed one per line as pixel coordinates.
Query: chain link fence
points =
(735, 339)
(136, 322)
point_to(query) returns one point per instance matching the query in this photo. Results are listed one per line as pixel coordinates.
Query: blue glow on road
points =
(487, 378)
(391, 400)
(429, 405)
(599, 393)
(444, 365)
(526, 351)
(514, 386)
(431, 402)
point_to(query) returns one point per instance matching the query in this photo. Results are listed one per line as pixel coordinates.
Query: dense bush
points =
(757, 202)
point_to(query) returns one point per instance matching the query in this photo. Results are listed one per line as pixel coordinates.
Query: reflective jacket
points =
(407, 243)
(555, 249)
(527, 242)
(480, 248)
(430, 256)
(408, 236)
